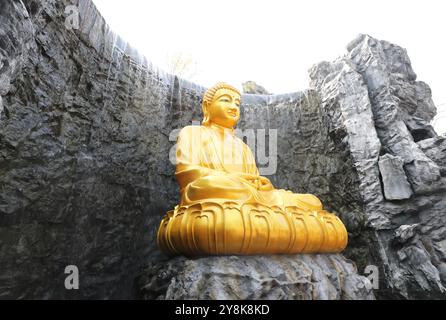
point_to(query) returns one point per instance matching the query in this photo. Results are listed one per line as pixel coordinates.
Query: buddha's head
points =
(221, 105)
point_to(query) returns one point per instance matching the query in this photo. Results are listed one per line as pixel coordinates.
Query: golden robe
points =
(210, 160)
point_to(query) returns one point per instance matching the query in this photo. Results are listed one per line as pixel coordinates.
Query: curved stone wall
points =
(87, 123)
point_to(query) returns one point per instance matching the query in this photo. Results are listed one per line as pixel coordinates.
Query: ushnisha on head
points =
(221, 106)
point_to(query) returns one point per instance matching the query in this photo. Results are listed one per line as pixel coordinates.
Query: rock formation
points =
(250, 87)
(86, 124)
(299, 277)
(373, 101)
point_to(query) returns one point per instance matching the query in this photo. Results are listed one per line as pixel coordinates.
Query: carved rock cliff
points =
(86, 127)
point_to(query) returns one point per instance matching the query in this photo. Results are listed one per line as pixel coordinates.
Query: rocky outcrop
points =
(299, 277)
(372, 96)
(86, 127)
(435, 149)
(250, 87)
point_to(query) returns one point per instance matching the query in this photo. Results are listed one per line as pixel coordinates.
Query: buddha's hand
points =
(258, 182)
(265, 184)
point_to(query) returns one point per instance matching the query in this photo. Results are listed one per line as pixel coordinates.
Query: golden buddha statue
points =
(226, 207)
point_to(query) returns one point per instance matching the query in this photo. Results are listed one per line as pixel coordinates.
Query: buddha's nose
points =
(233, 108)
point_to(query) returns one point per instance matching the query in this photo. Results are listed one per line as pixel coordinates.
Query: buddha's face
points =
(224, 109)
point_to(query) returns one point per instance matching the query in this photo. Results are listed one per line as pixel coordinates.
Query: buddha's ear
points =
(205, 107)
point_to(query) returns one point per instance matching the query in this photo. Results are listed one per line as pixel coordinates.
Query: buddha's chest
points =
(225, 150)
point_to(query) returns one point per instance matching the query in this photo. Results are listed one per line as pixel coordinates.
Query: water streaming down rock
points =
(85, 180)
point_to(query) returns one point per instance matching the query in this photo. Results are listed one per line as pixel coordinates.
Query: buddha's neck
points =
(221, 129)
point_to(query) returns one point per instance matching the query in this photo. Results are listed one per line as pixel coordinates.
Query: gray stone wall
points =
(84, 139)
(85, 178)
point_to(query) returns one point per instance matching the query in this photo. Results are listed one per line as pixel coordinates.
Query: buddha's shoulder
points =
(192, 130)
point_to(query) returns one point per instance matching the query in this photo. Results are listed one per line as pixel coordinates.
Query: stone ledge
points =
(278, 277)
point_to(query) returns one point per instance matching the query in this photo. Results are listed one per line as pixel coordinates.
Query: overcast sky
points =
(275, 42)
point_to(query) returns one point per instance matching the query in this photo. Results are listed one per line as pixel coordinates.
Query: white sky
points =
(274, 43)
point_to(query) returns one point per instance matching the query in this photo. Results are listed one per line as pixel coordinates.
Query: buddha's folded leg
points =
(216, 187)
(308, 200)
(301, 200)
